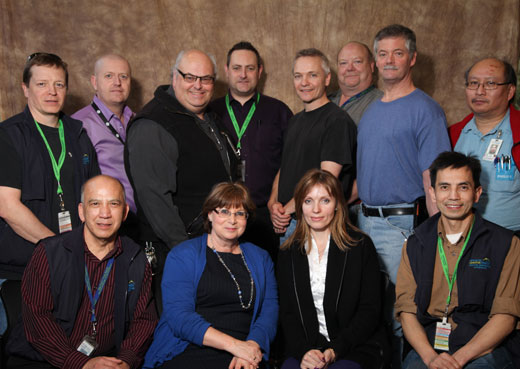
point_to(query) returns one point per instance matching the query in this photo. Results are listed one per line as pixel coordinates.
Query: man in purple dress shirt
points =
(106, 118)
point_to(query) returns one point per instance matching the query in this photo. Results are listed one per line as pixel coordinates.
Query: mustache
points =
(389, 67)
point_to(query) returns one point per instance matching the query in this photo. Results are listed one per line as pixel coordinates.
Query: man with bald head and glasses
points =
(45, 157)
(492, 134)
(174, 155)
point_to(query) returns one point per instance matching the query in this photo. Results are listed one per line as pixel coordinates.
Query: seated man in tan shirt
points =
(458, 284)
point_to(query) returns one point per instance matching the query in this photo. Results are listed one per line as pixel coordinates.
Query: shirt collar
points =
(127, 112)
(118, 249)
(502, 125)
(249, 102)
(442, 232)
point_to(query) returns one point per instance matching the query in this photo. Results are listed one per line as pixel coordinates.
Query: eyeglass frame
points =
(484, 85)
(222, 213)
(210, 79)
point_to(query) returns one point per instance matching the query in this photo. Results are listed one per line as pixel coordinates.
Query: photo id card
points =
(64, 221)
(493, 149)
(442, 335)
(88, 345)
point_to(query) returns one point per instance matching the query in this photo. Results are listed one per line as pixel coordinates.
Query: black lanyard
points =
(107, 123)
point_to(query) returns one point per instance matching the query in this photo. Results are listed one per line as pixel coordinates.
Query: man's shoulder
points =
(421, 100)
(273, 102)
(86, 111)
(15, 120)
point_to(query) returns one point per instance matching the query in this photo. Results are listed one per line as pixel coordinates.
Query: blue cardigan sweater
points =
(180, 324)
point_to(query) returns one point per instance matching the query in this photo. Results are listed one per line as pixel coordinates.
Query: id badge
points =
(64, 221)
(242, 170)
(442, 335)
(88, 345)
(493, 149)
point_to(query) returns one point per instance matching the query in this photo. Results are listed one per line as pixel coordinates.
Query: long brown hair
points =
(338, 225)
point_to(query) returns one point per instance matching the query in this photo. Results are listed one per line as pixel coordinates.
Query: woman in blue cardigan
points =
(220, 304)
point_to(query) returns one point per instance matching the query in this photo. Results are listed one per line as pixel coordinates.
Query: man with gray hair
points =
(399, 137)
(321, 136)
(174, 155)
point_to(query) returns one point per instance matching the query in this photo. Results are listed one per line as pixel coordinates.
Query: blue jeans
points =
(3, 316)
(290, 230)
(389, 235)
(497, 359)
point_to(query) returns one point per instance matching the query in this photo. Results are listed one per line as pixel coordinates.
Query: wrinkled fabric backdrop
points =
(451, 35)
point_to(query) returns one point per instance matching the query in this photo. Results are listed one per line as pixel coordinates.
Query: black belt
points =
(374, 212)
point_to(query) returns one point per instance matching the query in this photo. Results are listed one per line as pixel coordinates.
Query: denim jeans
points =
(290, 230)
(498, 359)
(389, 235)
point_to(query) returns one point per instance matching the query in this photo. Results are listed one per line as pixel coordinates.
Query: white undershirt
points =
(317, 275)
(454, 238)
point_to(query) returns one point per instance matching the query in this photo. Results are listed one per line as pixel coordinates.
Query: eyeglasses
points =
(226, 214)
(488, 85)
(33, 55)
(191, 78)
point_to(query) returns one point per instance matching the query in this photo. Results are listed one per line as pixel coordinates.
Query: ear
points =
(414, 59)
(80, 212)
(93, 82)
(25, 90)
(226, 71)
(372, 67)
(260, 71)
(478, 192)
(327, 79)
(431, 190)
(511, 92)
(125, 213)
(211, 214)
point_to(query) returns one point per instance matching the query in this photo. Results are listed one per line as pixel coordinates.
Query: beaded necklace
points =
(245, 307)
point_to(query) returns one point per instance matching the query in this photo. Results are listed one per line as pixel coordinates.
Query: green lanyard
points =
(444, 263)
(240, 131)
(56, 167)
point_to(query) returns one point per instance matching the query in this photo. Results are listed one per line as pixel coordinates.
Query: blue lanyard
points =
(355, 97)
(94, 299)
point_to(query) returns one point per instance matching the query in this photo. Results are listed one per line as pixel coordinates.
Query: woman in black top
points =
(329, 283)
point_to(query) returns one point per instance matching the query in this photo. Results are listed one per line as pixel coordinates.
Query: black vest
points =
(37, 182)
(66, 258)
(199, 164)
(477, 277)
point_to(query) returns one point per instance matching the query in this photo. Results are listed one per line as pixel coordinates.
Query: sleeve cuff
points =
(505, 305)
(75, 360)
(130, 358)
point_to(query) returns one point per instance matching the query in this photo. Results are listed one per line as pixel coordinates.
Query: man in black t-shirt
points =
(45, 157)
(321, 136)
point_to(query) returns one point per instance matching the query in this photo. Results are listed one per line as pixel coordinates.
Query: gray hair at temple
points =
(397, 30)
(181, 55)
(313, 52)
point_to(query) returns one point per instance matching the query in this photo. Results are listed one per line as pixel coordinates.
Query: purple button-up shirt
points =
(109, 149)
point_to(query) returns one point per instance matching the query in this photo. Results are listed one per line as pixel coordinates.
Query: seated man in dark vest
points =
(86, 296)
(458, 285)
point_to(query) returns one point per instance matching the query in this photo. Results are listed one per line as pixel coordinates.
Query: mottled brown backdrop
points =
(451, 34)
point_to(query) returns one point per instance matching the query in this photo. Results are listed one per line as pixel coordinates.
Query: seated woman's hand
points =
(247, 350)
(238, 363)
(313, 359)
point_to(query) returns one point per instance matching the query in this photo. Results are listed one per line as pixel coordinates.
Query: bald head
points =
(102, 180)
(111, 81)
(355, 68)
(194, 95)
